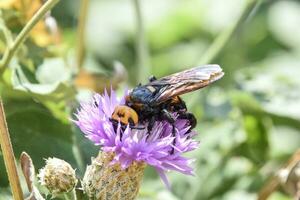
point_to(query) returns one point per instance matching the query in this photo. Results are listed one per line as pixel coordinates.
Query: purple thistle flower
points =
(129, 145)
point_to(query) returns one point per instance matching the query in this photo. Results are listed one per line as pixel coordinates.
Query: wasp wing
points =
(185, 81)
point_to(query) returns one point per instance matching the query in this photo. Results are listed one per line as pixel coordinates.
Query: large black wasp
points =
(159, 98)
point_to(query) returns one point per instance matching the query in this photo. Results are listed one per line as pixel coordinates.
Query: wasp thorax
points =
(125, 115)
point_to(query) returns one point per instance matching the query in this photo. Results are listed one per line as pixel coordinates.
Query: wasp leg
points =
(152, 78)
(138, 127)
(171, 119)
(115, 125)
(168, 116)
(131, 122)
(133, 126)
(150, 126)
(123, 126)
(190, 117)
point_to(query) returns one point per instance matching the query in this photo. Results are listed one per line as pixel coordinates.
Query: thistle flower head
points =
(159, 148)
(57, 176)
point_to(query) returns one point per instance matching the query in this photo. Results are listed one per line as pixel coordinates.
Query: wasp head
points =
(125, 115)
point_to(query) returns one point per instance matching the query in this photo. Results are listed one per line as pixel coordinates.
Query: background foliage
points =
(248, 122)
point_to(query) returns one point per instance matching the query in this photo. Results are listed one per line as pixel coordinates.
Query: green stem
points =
(77, 151)
(143, 60)
(70, 195)
(220, 42)
(11, 49)
(8, 156)
(81, 32)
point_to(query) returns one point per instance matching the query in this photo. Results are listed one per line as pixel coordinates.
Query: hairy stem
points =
(81, 32)
(143, 60)
(11, 49)
(8, 156)
(220, 42)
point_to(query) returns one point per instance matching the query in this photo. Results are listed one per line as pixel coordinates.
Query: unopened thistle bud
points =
(57, 176)
(103, 180)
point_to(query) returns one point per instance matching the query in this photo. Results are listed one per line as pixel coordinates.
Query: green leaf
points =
(257, 137)
(3, 173)
(279, 196)
(245, 101)
(84, 148)
(5, 193)
(53, 70)
(54, 92)
(249, 105)
(33, 129)
(54, 95)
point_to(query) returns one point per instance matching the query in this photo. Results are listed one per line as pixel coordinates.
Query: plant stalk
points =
(11, 49)
(77, 151)
(143, 60)
(220, 42)
(274, 183)
(84, 5)
(70, 195)
(8, 156)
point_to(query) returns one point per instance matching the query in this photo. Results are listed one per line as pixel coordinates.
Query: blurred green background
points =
(248, 122)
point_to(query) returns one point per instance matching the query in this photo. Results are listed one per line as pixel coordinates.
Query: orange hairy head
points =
(125, 115)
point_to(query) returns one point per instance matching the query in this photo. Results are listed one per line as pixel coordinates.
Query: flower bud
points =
(103, 180)
(57, 176)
